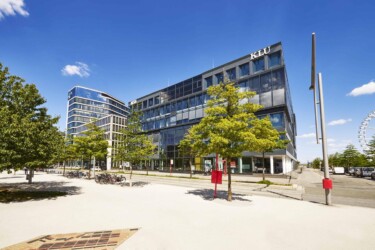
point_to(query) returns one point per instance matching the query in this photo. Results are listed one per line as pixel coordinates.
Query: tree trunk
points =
(93, 165)
(191, 170)
(63, 168)
(89, 168)
(264, 177)
(147, 168)
(31, 174)
(229, 184)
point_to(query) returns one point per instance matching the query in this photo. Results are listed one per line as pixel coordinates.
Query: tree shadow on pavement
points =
(21, 191)
(208, 194)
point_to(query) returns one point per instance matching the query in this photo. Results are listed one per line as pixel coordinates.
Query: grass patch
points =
(267, 182)
(21, 196)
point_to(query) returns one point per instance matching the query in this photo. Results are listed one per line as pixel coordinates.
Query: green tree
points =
(268, 138)
(350, 156)
(186, 150)
(225, 129)
(370, 152)
(92, 144)
(335, 160)
(134, 146)
(66, 150)
(27, 132)
(316, 163)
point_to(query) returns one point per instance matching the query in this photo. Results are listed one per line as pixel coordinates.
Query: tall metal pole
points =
(312, 87)
(324, 138)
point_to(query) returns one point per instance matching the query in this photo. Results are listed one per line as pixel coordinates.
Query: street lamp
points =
(327, 182)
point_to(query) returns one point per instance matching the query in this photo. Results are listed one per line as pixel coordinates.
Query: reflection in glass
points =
(258, 64)
(274, 59)
(244, 69)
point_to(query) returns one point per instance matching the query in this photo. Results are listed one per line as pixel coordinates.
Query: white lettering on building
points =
(260, 52)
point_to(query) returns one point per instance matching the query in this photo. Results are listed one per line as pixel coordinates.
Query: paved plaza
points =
(175, 217)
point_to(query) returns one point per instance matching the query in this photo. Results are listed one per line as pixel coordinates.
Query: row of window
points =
(96, 109)
(194, 85)
(96, 104)
(180, 118)
(191, 102)
(94, 95)
(169, 137)
(244, 69)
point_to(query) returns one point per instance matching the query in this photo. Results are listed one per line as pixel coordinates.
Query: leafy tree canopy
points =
(27, 132)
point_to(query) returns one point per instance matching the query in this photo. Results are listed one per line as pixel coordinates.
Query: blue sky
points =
(130, 48)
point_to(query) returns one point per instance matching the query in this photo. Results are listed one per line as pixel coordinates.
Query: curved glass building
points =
(88, 105)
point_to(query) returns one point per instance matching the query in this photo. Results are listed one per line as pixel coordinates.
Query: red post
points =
(170, 167)
(217, 168)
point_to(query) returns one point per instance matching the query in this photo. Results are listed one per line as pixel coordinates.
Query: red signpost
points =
(216, 175)
(327, 183)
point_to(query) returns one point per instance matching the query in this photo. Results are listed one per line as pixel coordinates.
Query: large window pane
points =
(277, 120)
(265, 82)
(231, 73)
(157, 100)
(171, 93)
(244, 69)
(219, 78)
(278, 79)
(208, 81)
(199, 100)
(254, 84)
(266, 99)
(184, 104)
(274, 59)
(150, 102)
(192, 101)
(179, 105)
(243, 86)
(254, 99)
(188, 88)
(278, 97)
(197, 86)
(179, 90)
(258, 64)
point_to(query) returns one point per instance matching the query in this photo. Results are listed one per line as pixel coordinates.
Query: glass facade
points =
(85, 105)
(183, 104)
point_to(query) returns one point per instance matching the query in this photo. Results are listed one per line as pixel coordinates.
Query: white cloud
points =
(11, 8)
(310, 135)
(365, 89)
(339, 122)
(80, 69)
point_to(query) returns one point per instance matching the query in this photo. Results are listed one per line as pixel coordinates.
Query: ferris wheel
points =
(367, 130)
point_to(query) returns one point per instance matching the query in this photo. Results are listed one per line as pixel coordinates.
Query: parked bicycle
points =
(106, 178)
(76, 174)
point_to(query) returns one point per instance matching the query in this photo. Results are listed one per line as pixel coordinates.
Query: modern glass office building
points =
(88, 105)
(168, 113)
